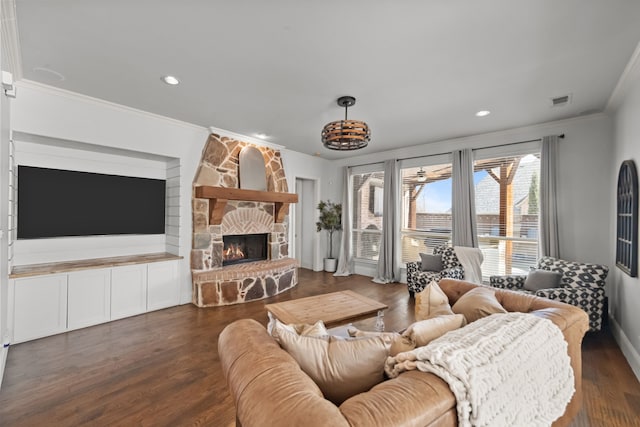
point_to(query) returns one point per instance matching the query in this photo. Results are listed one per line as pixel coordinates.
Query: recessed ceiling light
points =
(483, 113)
(170, 80)
(48, 74)
(260, 135)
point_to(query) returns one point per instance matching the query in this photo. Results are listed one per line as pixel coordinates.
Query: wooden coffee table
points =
(333, 309)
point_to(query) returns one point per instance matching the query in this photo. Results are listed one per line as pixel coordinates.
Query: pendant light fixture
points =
(346, 134)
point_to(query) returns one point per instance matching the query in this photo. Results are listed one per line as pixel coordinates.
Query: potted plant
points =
(330, 219)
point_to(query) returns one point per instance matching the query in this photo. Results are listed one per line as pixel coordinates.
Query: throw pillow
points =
(316, 330)
(431, 302)
(341, 368)
(425, 331)
(542, 279)
(478, 303)
(398, 343)
(431, 262)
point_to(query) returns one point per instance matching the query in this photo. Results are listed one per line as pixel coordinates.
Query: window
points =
(627, 219)
(375, 199)
(426, 209)
(368, 195)
(507, 205)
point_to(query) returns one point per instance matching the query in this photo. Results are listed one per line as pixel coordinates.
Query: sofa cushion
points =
(425, 331)
(478, 303)
(431, 302)
(341, 368)
(542, 279)
(430, 262)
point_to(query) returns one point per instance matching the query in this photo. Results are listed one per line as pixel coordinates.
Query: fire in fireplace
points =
(244, 248)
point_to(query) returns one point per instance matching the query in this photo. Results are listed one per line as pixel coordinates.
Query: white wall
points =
(51, 113)
(51, 153)
(584, 158)
(624, 291)
(4, 229)
(299, 165)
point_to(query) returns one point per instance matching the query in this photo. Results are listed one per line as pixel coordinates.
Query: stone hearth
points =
(213, 284)
(244, 282)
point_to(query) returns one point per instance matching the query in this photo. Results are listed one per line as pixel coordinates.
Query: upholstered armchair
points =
(581, 285)
(417, 279)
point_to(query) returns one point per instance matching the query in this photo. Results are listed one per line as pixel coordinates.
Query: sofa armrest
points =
(453, 273)
(507, 282)
(591, 300)
(414, 267)
(572, 296)
(255, 366)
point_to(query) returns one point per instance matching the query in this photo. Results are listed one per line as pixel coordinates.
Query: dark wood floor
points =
(162, 368)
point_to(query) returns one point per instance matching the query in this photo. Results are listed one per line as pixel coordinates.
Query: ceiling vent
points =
(559, 101)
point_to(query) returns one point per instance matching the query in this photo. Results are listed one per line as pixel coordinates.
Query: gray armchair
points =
(582, 285)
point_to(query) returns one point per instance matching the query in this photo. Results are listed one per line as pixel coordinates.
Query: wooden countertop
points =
(66, 266)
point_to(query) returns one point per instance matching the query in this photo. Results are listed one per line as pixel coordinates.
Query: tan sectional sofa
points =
(269, 388)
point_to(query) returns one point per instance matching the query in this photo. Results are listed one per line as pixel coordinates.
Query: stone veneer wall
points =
(219, 167)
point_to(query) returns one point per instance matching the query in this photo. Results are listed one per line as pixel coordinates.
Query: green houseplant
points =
(330, 219)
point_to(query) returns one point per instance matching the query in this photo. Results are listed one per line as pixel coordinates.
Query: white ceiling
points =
(419, 69)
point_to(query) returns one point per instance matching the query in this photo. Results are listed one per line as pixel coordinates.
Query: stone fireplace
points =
(222, 212)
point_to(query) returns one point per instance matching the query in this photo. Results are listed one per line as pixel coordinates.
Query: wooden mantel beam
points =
(219, 196)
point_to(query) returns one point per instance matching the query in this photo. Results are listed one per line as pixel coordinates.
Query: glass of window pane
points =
(426, 209)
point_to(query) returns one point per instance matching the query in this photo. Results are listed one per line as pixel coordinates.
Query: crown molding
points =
(30, 84)
(245, 138)
(630, 74)
(476, 141)
(11, 39)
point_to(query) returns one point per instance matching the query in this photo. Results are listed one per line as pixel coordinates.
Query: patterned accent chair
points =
(417, 279)
(582, 285)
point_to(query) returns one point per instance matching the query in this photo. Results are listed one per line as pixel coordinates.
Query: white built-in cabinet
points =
(88, 298)
(54, 303)
(40, 306)
(161, 289)
(128, 291)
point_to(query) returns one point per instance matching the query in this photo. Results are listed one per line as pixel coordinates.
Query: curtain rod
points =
(561, 136)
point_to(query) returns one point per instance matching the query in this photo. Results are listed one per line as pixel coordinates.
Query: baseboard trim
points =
(630, 353)
(4, 351)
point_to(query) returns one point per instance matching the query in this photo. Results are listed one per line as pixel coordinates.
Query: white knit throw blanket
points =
(471, 260)
(505, 370)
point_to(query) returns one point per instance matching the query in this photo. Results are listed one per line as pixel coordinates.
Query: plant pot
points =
(330, 265)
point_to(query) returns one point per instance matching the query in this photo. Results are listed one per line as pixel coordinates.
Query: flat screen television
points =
(60, 203)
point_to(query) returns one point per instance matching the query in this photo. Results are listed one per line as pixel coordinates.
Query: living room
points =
(68, 115)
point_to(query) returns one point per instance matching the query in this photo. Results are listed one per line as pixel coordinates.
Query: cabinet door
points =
(128, 291)
(162, 285)
(40, 307)
(89, 298)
